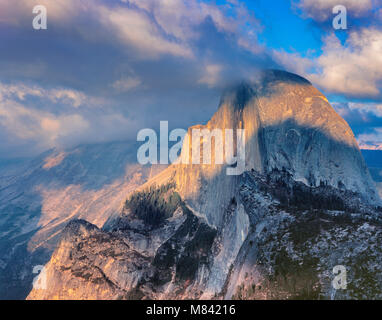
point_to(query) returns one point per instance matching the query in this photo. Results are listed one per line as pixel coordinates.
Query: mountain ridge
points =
(230, 231)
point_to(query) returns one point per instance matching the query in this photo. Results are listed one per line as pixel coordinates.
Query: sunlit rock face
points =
(104, 266)
(274, 231)
(288, 124)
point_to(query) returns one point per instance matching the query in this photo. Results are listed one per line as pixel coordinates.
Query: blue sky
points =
(281, 22)
(105, 69)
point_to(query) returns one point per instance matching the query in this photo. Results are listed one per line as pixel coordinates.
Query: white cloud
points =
(24, 121)
(20, 91)
(130, 26)
(150, 27)
(366, 118)
(212, 75)
(177, 20)
(179, 17)
(126, 84)
(371, 140)
(136, 28)
(353, 69)
(33, 124)
(68, 96)
(65, 96)
(293, 61)
(374, 108)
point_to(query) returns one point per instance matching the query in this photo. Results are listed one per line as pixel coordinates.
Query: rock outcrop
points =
(288, 124)
(303, 205)
(39, 196)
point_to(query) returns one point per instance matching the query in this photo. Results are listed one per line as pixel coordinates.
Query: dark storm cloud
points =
(134, 63)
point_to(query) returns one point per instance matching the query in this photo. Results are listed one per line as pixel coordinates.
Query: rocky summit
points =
(304, 205)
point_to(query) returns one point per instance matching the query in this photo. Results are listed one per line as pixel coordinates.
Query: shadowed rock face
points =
(288, 124)
(276, 231)
(130, 261)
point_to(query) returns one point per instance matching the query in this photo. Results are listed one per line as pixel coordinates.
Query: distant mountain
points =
(373, 160)
(305, 204)
(39, 196)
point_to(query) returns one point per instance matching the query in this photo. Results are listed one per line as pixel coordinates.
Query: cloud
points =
(126, 84)
(359, 107)
(180, 19)
(64, 96)
(171, 26)
(116, 20)
(19, 13)
(371, 141)
(43, 127)
(353, 69)
(293, 61)
(131, 32)
(36, 119)
(365, 119)
(81, 80)
(212, 75)
(321, 10)
(138, 30)
(362, 116)
(150, 27)
(68, 96)
(35, 131)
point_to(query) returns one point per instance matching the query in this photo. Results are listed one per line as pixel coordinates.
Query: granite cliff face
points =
(305, 203)
(288, 124)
